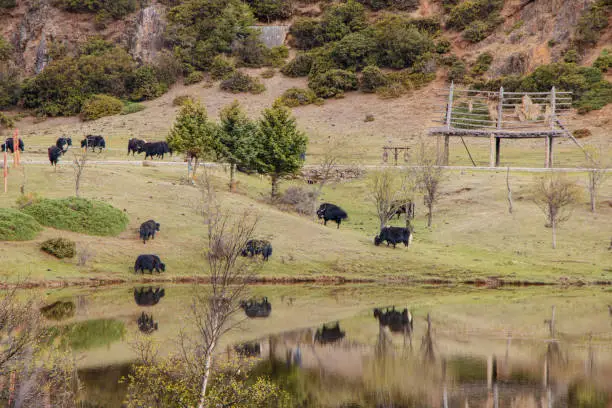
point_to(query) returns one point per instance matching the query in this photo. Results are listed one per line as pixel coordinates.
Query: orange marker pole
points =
(16, 148)
(5, 171)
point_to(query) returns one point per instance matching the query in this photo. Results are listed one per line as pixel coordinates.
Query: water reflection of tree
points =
(427, 344)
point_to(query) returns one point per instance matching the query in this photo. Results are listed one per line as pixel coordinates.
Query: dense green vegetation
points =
(79, 215)
(293, 97)
(477, 18)
(9, 75)
(17, 226)
(589, 89)
(98, 68)
(59, 310)
(99, 106)
(104, 9)
(59, 247)
(592, 23)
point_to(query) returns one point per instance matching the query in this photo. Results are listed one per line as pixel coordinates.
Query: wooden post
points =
(449, 107)
(500, 106)
(490, 372)
(550, 151)
(446, 152)
(547, 152)
(5, 171)
(553, 107)
(492, 150)
(395, 153)
(16, 148)
(497, 150)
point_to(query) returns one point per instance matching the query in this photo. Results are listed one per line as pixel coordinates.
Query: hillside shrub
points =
(299, 199)
(604, 61)
(132, 107)
(476, 31)
(355, 50)
(199, 30)
(276, 56)
(399, 42)
(6, 121)
(6, 49)
(89, 334)
(221, 67)
(404, 5)
(293, 97)
(581, 133)
(103, 8)
(8, 4)
(270, 10)
(17, 226)
(249, 51)
(464, 13)
(181, 100)
(59, 247)
(306, 33)
(146, 85)
(571, 55)
(59, 310)
(99, 106)
(443, 46)
(10, 86)
(482, 65)
(393, 90)
(592, 23)
(241, 82)
(333, 83)
(193, 78)
(268, 73)
(457, 71)
(372, 78)
(79, 215)
(298, 67)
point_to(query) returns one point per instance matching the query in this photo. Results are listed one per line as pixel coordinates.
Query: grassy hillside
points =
(473, 236)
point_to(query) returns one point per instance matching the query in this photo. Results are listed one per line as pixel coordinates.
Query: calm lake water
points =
(484, 347)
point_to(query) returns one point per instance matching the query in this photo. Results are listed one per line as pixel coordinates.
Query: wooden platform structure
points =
(502, 115)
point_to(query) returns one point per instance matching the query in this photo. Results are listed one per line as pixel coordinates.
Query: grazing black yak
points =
(258, 246)
(157, 149)
(54, 153)
(327, 335)
(252, 308)
(148, 229)
(8, 145)
(93, 141)
(63, 143)
(135, 146)
(395, 320)
(150, 263)
(393, 236)
(331, 212)
(148, 296)
(146, 323)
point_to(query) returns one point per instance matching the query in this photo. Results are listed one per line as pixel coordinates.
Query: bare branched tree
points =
(428, 176)
(79, 163)
(509, 190)
(384, 193)
(598, 167)
(555, 195)
(229, 274)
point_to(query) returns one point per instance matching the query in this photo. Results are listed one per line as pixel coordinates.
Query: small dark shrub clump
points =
(59, 310)
(241, 82)
(299, 199)
(581, 133)
(181, 100)
(293, 97)
(372, 78)
(221, 68)
(99, 106)
(333, 83)
(298, 67)
(194, 78)
(59, 247)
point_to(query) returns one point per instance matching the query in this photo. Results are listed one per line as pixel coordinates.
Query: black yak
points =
(253, 308)
(63, 143)
(326, 335)
(54, 154)
(395, 320)
(150, 263)
(93, 141)
(135, 146)
(331, 212)
(394, 236)
(148, 229)
(7, 146)
(157, 149)
(256, 247)
(146, 323)
(148, 296)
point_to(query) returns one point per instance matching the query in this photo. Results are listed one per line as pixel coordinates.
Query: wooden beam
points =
(446, 149)
(497, 150)
(550, 152)
(547, 153)
(449, 107)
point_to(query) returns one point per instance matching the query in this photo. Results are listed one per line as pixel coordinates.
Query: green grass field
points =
(473, 236)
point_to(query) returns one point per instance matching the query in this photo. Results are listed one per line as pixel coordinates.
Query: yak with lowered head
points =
(54, 154)
(256, 247)
(63, 143)
(135, 146)
(331, 212)
(150, 263)
(394, 236)
(93, 141)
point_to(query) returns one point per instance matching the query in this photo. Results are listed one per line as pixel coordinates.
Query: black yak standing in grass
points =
(331, 212)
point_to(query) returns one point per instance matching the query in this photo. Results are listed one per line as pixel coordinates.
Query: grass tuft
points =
(17, 226)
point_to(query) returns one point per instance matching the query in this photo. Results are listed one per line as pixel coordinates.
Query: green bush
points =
(17, 226)
(250, 51)
(355, 50)
(457, 71)
(393, 90)
(194, 78)
(99, 106)
(298, 67)
(293, 97)
(79, 215)
(89, 334)
(59, 310)
(6, 49)
(372, 78)
(306, 33)
(464, 13)
(221, 67)
(476, 31)
(604, 61)
(269, 10)
(443, 46)
(241, 82)
(276, 56)
(571, 55)
(132, 107)
(404, 5)
(6, 121)
(59, 247)
(8, 3)
(145, 84)
(181, 100)
(400, 42)
(592, 23)
(333, 83)
(581, 133)
(482, 65)
(268, 73)
(104, 8)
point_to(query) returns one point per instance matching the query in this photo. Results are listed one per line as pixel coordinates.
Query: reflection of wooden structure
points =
(503, 115)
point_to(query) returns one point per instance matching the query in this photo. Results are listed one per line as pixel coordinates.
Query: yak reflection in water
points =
(326, 335)
(148, 296)
(252, 308)
(146, 323)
